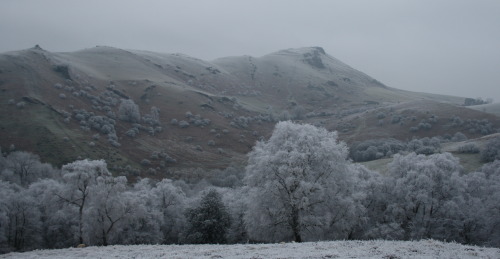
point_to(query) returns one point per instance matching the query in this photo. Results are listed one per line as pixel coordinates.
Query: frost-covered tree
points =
(78, 179)
(491, 151)
(142, 225)
(169, 200)
(129, 111)
(107, 210)
(236, 206)
(301, 186)
(427, 196)
(55, 231)
(208, 221)
(26, 168)
(482, 225)
(19, 218)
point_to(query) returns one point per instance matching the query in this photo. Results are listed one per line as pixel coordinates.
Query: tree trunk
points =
(104, 238)
(295, 225)
(80, 225)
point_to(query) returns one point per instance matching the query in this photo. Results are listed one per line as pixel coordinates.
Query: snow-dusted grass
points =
(333, 249)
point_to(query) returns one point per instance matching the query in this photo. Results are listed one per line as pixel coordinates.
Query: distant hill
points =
(65, 106)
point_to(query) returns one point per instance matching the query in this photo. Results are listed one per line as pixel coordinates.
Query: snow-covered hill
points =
(333, 249)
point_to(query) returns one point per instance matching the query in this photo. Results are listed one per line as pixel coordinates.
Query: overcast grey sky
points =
(439, 46)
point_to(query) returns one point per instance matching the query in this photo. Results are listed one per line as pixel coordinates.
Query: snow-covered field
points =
(333, 249)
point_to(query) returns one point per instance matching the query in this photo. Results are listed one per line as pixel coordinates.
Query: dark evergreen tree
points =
(209, 221)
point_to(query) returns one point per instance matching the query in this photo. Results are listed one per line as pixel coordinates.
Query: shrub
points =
(396, 119)
(469, 148)
(380, 115)
(20, 105)
(129, 111)
(183, 124)
(491, 151)
(152, 118)
(145, 162)
(132, 132)
(459, 136)
(375, 149)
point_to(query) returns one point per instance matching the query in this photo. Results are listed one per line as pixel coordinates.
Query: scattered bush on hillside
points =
(396, 119)
(145, 162)
(379, 148)
(381, 115)
(459, 136)
(183, 124)
(113, 140)
(491, 151)
(129, 111)
(241, 122)
(132, 132)
(424, 125)
(20, 105)
(163, 155)
(102, 124)
(476, 126)
(152, 118)
(174, 122)
(375, 149)
(198, 121)
(469, 148)
(426, 146)
(227, 115)
(456, 121)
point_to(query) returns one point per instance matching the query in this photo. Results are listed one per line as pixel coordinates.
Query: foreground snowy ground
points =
(334, 249)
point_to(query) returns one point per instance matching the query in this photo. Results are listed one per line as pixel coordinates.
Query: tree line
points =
(299, 185)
